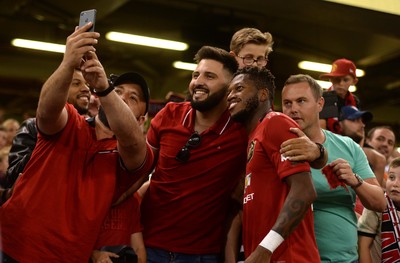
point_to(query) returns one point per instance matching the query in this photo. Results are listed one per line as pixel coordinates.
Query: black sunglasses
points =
(184, 153)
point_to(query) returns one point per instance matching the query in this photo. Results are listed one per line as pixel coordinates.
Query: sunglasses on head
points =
(184, 153)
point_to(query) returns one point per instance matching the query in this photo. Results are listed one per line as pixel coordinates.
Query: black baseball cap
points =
(133, 78)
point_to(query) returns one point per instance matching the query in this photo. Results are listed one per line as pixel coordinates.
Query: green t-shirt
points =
(334, 217)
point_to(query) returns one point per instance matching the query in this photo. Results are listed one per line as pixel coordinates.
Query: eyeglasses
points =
(184, 153)
(249, 60)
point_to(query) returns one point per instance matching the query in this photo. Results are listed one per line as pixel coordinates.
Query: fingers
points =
(343, 170)
(297, 131)
(288, 142)
(83, 28)
(92, 64)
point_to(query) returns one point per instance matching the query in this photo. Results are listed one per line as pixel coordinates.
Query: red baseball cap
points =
(340, 68)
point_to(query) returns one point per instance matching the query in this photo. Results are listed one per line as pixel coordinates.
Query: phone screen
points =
(330, 109)
(86, 17)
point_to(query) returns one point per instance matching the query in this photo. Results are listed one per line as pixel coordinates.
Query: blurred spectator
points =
(3, 137)
(3, 163)
(11, 126)
(382, 139)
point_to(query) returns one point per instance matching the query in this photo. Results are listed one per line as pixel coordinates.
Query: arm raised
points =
(51, 115)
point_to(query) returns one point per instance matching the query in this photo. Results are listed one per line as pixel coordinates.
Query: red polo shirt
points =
(185, 207)
(60, 201)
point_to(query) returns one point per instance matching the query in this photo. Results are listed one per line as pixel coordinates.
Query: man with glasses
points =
(201, 156)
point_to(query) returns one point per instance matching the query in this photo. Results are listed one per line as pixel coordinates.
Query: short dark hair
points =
(262, 78)
(299, 78)
(372, 131)
(228, 61)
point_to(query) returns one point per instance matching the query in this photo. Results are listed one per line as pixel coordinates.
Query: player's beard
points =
(356, 138)
(211, 102)
(81, 110)
(251, 106)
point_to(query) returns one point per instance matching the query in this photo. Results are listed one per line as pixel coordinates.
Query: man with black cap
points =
(123, 219)
(78, 168)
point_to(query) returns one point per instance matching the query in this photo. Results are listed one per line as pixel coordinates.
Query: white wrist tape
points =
(271, 241)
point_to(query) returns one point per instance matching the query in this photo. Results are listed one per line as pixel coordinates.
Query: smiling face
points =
(242, 98)
(79, 93)
(393, 184)
(383, 140)
(209, 85)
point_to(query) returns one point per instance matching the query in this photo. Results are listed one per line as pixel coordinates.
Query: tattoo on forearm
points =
(291, 215)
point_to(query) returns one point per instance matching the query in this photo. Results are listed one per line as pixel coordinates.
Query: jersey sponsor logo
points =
(283, 158)
(247, 180)
(250, 151)
(248, 198)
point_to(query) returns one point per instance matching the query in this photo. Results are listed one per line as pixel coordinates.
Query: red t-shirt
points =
(121, 222)
(184, 210)
(266, 191)
(60, 201)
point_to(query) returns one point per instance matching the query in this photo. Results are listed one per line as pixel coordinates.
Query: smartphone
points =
(86, 17)
(330, 109)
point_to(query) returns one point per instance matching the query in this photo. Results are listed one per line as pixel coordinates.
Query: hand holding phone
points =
(86, 17)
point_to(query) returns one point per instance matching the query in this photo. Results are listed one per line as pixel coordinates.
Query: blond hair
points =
(251, 36)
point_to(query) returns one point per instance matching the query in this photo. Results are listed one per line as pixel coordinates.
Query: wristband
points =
(271, 241)
(321, 149)
(105, 92)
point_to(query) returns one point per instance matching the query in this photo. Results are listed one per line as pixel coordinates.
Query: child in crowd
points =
(342, 76)
(378, 233)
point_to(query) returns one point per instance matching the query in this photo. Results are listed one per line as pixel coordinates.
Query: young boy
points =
(342, 76)
(378, 233)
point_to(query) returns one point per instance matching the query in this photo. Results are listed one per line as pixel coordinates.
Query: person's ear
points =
(263, 95)
(341, 124)
(321, 103)
(141, 120)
